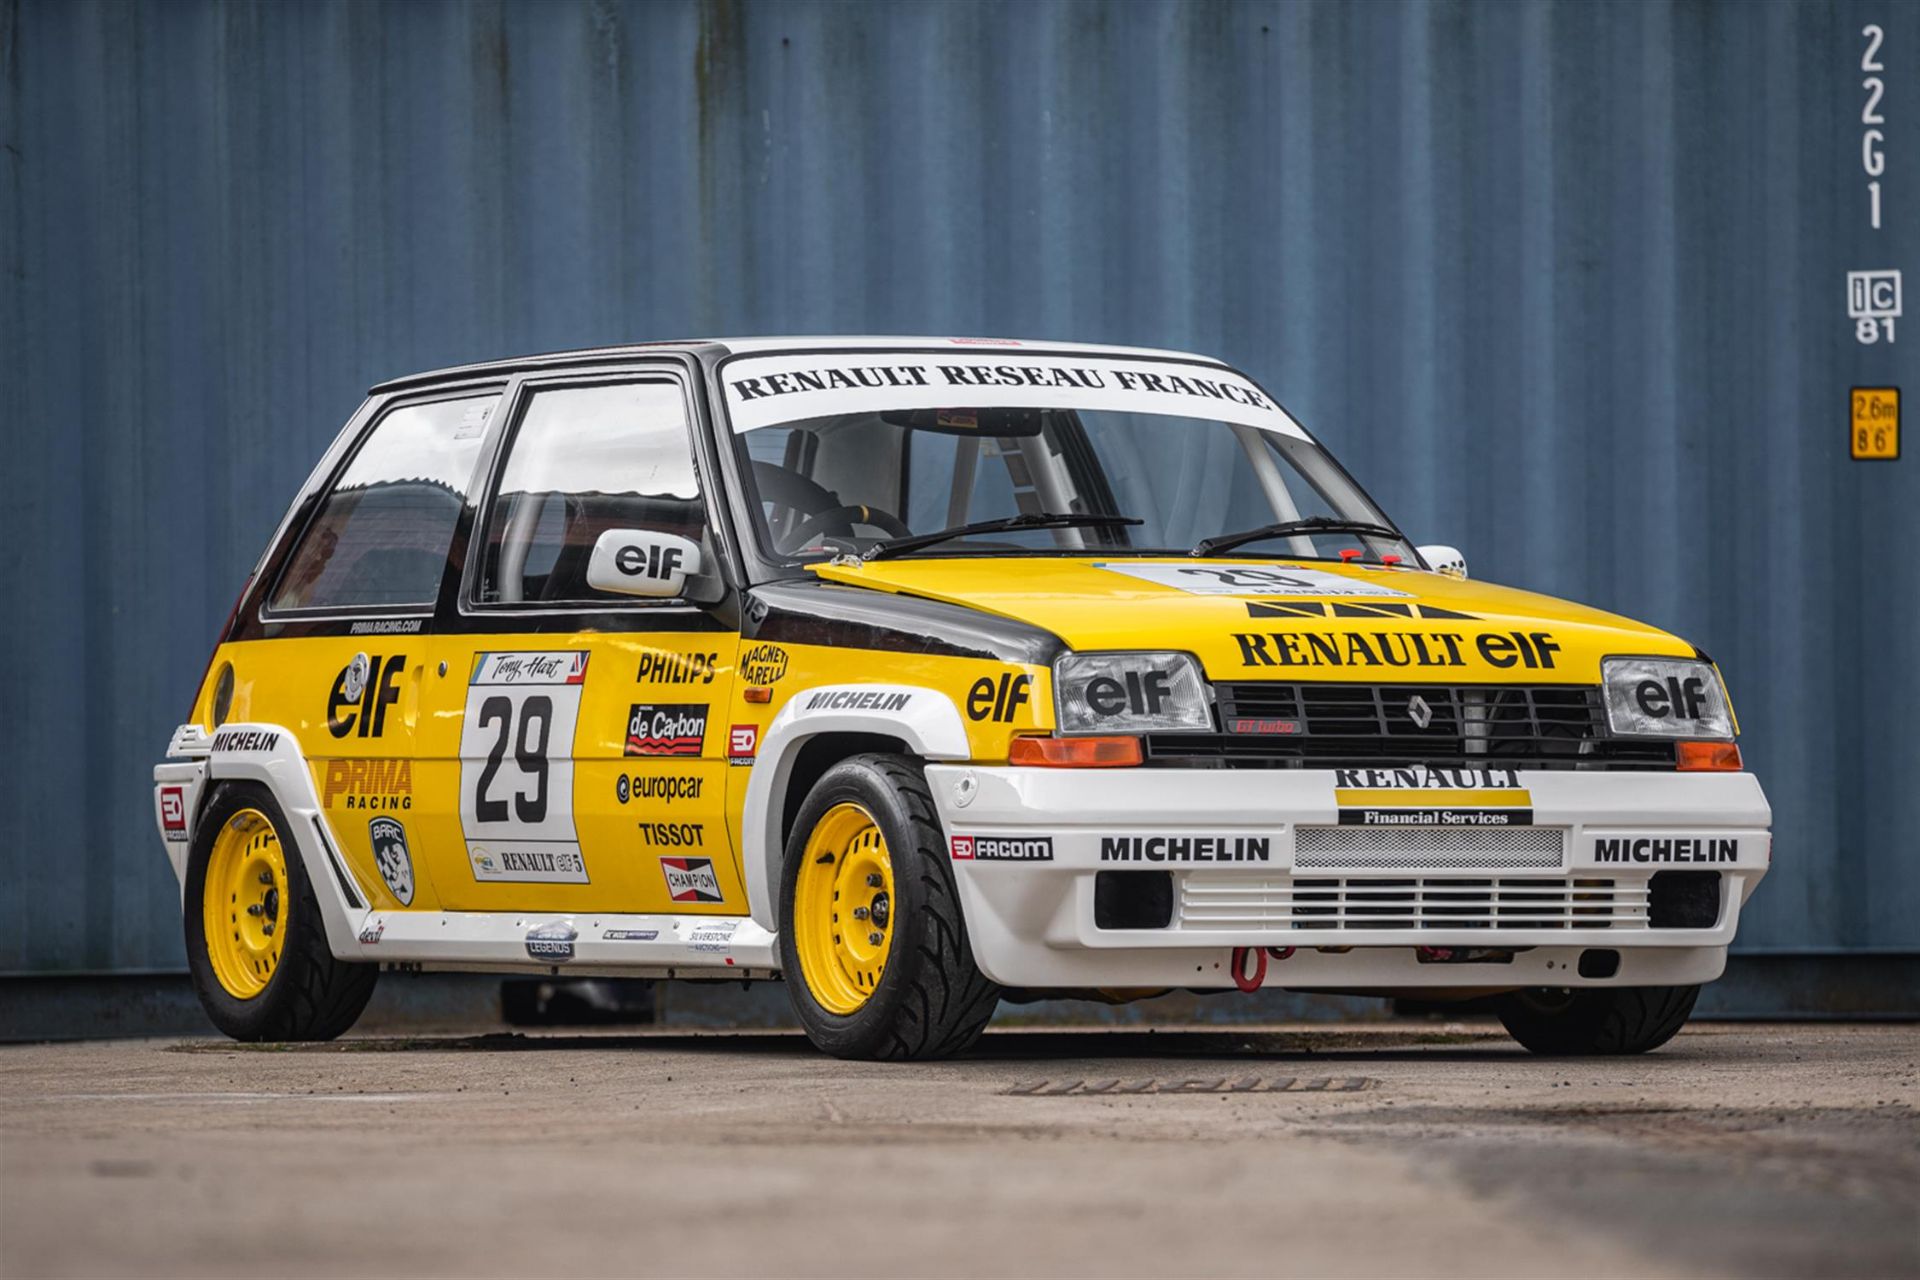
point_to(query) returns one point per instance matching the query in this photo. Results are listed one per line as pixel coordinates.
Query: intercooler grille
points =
(1428, 849)
(1277, 901)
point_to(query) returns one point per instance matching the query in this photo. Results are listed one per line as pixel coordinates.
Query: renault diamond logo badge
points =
(1419, 712)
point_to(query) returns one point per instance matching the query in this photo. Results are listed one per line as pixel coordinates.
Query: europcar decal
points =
(516, 767)
(1426, 796)
(1249, 580)
(763, 390)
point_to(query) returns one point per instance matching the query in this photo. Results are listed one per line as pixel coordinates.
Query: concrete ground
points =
(1400, 1149)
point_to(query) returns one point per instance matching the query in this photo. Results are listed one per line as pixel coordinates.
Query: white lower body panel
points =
(1269, 871)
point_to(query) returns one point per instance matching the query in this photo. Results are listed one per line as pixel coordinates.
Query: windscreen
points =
(853, 451)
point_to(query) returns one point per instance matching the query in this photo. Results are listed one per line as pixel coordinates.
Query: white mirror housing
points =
(1443, 559)
(642, 562)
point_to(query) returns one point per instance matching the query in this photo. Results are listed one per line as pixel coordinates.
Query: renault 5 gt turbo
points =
(921, 673)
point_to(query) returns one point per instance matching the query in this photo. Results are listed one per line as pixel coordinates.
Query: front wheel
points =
(256, 947)
(1589, 1021)
(874, 950)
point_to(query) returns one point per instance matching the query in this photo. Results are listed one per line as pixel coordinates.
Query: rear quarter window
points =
(380, 537)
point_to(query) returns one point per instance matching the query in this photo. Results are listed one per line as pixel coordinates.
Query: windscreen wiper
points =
(1311, 524)
(1026, 520)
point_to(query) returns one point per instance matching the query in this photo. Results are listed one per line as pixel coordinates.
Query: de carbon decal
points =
(666, 729)
(389, 840)
(1533, 649)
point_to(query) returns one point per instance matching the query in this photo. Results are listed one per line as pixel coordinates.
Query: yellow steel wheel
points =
(843, 909)
(244, 904)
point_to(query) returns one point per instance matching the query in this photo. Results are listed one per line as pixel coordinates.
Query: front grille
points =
(1231, 901)
(1269, 724)
(1429, 849)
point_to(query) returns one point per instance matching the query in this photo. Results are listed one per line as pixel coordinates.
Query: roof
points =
(738, 346)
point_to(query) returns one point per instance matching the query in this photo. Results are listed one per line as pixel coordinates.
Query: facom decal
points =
(527, 864)
(672, 835)
(658, 666)
(1250, 580)
(245, 740)
(857, 700)
(763, 664)
(1002, 848)
(666, 729)
(999, 702)
(552, 942)
(691, 880)
(389, 840)
(1666, 849)
(1429, 796)
(743, 743)
(173, 812)
(665, 788)
(357, 704)
(373, 784)
(1534, 649)
(1185, 848)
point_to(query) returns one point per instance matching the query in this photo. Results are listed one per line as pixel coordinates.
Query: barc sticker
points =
(389, 840)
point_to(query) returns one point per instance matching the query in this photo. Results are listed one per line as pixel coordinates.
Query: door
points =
(587, 727)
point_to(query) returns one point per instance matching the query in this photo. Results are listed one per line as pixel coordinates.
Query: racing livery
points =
(922, 673)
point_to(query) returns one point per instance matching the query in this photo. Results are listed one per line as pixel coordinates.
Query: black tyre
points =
(872, 945)
(256, 947)
(1596, 1020)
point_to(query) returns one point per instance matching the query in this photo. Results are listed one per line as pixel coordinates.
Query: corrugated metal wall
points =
(1564, 283)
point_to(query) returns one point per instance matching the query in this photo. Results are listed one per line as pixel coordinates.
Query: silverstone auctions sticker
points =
(1251, 580)
(764, 390)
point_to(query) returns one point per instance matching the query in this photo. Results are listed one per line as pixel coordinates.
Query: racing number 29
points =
(529, 752)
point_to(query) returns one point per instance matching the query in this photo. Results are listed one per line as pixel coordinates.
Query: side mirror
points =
(1446, 560)
(641, 562)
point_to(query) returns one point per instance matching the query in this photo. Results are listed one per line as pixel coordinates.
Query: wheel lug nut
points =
(874, 938)
(253, 909)
(873, 880)
(267, 927)
(266, 877)
(859, 913)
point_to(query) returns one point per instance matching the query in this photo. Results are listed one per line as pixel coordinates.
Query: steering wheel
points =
(820, 505)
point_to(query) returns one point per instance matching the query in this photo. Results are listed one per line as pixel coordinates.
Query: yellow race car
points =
(921, 672)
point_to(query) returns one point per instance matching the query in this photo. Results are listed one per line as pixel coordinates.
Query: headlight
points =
(1130, 693)
(1665, 698)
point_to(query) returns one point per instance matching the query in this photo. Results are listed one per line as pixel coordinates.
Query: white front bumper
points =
(1427, 897)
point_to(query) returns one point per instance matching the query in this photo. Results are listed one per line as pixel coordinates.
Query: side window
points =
(380, 537)
(587, 459)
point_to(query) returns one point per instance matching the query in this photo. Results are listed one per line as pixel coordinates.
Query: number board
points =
(516, 767)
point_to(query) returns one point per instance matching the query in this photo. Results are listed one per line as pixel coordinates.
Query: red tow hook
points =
(1239, 962)
(1251, 981)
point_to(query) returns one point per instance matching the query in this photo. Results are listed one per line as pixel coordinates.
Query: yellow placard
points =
(1874, 433)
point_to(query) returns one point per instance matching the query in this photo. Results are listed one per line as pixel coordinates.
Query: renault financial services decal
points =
(1423, 796)
(764, 390)
(1250, 580)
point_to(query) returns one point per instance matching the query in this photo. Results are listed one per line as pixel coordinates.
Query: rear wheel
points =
(874, 950)
(1596, 1020)
(256, 947)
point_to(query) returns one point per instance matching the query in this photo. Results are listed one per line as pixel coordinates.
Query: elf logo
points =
(1671, 698)
(657, 562)
(1140, 692)
(998, 702)
(361, 694)
(691, 880)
